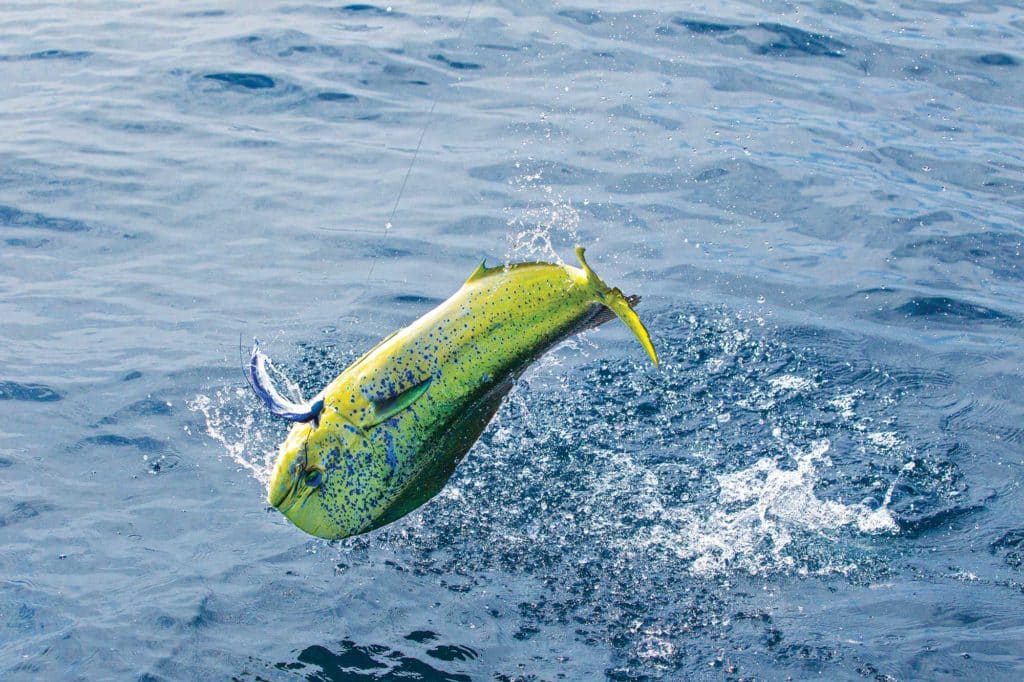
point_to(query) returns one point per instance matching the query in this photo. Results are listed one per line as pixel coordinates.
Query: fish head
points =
(316, 482)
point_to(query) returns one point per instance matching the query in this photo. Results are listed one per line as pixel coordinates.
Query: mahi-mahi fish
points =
(384, 436)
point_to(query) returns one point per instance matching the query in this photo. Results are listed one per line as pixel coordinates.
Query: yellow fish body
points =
(384, 437)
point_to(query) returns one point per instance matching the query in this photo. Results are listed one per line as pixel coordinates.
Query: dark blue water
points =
(821, 203)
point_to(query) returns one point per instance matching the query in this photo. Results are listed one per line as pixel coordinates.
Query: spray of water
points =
(639, 497)
(232, 423)
(533, 231)
(733, 481)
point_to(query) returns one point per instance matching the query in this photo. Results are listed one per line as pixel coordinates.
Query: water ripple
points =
(249, 81)
(11, 390)
(11, 217)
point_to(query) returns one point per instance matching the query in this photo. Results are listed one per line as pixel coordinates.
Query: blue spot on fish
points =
(389, 447)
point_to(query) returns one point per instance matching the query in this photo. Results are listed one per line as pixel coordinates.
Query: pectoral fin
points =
(388, 407)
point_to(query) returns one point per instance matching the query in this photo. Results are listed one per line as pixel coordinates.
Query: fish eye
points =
(315, 478)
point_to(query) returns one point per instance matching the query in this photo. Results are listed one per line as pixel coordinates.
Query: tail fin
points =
(618, 304)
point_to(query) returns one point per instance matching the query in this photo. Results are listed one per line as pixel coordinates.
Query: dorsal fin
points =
(388, 407)
(481, 271)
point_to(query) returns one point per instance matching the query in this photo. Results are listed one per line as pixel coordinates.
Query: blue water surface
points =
(821, 203)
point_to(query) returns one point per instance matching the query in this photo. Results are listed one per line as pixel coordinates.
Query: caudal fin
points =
(618, 304)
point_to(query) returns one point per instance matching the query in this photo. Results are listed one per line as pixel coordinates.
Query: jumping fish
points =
(384, 436)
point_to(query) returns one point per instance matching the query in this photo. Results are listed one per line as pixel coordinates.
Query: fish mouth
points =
(279, 493)
(276, 496)
(310, 522)
(287, 473)
(296, 501)
(282, 507)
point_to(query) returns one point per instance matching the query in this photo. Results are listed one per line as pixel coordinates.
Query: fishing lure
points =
(384, 436)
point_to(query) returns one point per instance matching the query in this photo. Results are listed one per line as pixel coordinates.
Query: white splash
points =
(886, 440)
(790, 382)
(759, 512)
(845, 402)
(881, 520)
(532, 230)
(240, 435)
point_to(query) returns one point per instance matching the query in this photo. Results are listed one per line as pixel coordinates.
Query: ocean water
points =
(820, 202)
